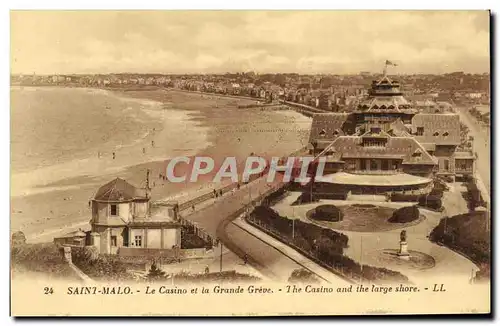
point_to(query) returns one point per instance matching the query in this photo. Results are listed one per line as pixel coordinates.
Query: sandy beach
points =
(51, 196)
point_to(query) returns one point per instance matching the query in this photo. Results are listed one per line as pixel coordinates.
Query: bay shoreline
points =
(231, 132)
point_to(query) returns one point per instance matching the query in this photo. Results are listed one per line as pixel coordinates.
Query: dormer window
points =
(445, 133)
(336, 132)
(436, 134)
(322, 132)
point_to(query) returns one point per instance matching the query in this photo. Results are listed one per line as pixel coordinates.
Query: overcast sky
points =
(280, 41)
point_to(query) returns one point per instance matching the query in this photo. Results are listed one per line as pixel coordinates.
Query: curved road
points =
(216, 221)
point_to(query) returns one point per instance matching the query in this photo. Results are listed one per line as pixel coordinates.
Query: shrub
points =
(302, 275)
(18, 238)
(329, 213)
(473, 195)
(155, 273)
(405, 214)
(431, 202)
(403, 197)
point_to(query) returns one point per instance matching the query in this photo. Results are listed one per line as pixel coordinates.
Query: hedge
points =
(473, 195)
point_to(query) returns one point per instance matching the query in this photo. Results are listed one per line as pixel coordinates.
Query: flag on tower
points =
(390, 63)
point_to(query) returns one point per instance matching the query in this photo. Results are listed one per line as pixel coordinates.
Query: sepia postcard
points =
(250, 163)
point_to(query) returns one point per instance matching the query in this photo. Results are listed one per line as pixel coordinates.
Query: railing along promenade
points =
(212, 194)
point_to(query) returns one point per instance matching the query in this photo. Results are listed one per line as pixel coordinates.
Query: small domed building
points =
(121, 218)
(122, 221)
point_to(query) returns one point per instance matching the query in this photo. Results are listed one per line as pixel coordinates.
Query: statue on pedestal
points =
(402, 236)
(403, 246)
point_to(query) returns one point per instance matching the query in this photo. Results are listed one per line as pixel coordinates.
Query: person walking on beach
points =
(144, 150)
(114, 155)
(245, 259)
(152, 143)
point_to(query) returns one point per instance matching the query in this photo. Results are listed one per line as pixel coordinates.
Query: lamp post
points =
(218, 242)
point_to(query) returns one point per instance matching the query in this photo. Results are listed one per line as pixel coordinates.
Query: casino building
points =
(386, 146)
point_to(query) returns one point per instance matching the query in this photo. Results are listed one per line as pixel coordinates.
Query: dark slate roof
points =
(327, 126)
(405, 148)
(385, 104)
(119, 190)
(440, 129)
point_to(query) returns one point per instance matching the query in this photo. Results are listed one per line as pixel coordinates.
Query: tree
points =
(155, 273)
(18, 238)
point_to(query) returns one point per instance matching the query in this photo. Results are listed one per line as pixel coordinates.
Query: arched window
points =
(436, 133)
(322, 132)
